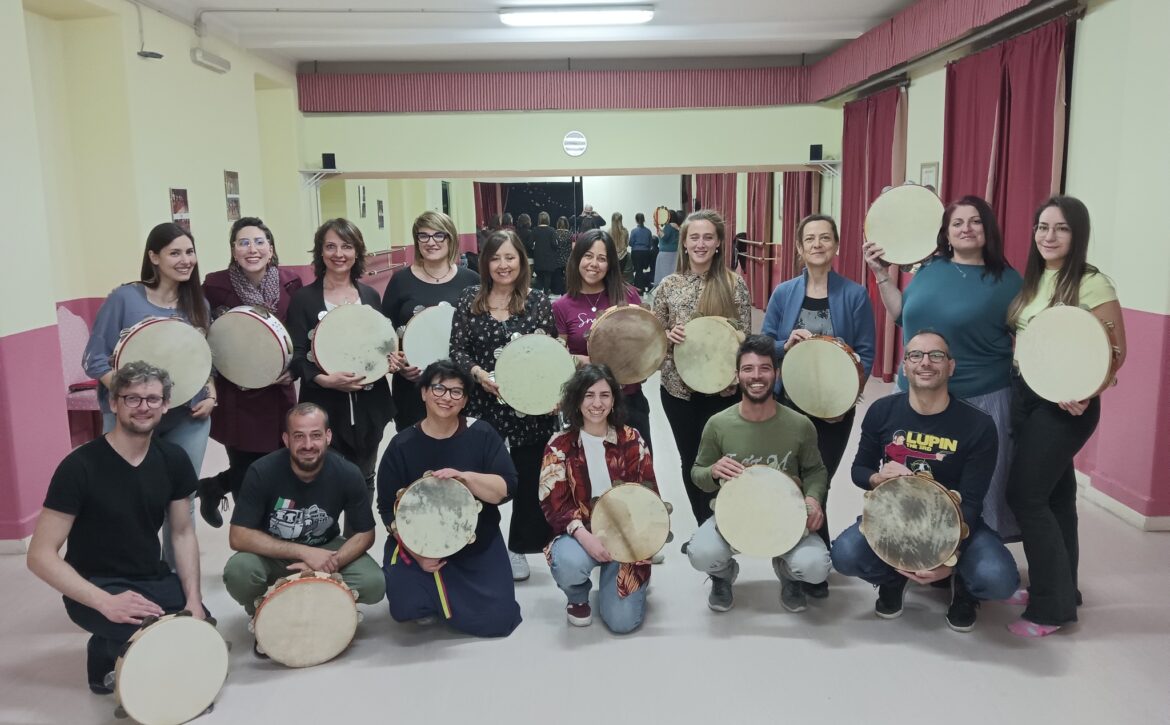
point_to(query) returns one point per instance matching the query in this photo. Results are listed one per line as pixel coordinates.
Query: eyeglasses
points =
(423, 237)
(135, 401)
(1062, 229)
(258, 243)
(439, 390)
(936, 356)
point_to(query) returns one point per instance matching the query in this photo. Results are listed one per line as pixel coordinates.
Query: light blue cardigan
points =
(849, 308)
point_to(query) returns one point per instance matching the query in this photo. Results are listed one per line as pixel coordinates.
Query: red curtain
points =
(758, 271)
(488, 202)
(801, 198)
(717, 191)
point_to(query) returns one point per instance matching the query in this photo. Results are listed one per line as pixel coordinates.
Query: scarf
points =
(267, 296)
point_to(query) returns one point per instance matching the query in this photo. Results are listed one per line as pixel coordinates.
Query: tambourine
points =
(913, 523)
(823, 376)
(1067, 353)
(904, 222)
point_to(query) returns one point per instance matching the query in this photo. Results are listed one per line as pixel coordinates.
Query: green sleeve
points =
(813, 473)
(710, 451)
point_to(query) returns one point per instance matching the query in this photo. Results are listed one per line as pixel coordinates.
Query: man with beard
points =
(759, 431)
(107, 499)
(285, 519)
(927, 431)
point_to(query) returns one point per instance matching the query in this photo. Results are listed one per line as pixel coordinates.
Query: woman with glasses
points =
(248, 423)
(963, 292)
(1042, 486)
(433, 277)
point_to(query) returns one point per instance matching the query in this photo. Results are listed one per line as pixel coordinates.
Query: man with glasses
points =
(472, 590)
(929, 431)
(107, 499)
(286, 517)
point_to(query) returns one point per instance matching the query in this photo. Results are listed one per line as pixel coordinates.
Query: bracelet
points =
(883, 281)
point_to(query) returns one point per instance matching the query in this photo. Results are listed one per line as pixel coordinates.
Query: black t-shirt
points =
(957, 446)
(475, 447)
(118, 508)
(273, 500)
(406, 295)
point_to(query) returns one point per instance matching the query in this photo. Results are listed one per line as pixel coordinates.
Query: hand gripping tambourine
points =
(249, 346)
(761, 512)
(631, 521)
(436, 517)
(823, 376)
(427, 338)
(904, 222)
(171, 669)
(630, 341)
(661, 216)
(173, 345)
(306, 619)
(706, 359)
(354, 339)
(531, 370)
(1067, 353)
(913, 523)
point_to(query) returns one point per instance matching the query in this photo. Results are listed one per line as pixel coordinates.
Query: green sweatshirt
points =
(787, 441)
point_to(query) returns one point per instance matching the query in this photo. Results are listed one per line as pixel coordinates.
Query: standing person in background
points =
(589, 219)
(564, 248)
(667, 248)
(168, 286)
(248, 423)
(703, 285)
(524, 231)
(642, 251)
(544, 253)
(506, 222)
(621, 239)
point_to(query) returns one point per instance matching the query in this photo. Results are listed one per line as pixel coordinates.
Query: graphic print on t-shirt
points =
(304, 526)
(913, 449)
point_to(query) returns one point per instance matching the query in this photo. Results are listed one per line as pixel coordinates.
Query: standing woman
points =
(487, 318)
(963, 292)
(703, 285)
(544, 253)
(358, 413)
(168, 286)
(665, 263)
(595, 285)
(433, 277)
(564, 248)
(524, 231)
(1042, 487)
(821, 302)
(248, 423)
(621, 239)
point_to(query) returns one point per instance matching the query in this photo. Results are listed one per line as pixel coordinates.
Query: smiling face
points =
(504, 266)
(175, 261)
(429, 246)
(818, 245)
(701, 243)
(251, 249)
(597, 404)
(339, 255)
(594, 264)
(441, 405)
(307, 439)
(757, 376)
(926, 374)
(965, 231)
(142, 419)
(1053, 237)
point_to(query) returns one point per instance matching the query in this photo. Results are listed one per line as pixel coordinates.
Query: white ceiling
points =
(461, 31)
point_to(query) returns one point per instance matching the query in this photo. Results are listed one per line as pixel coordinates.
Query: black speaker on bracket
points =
(329, 161)
(816, 152)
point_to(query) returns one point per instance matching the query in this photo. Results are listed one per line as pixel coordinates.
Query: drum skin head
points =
(706, 360)
(355, 339)
(428, 336)
(250, 346)
(630, 340)
(172, 670)
(904, 221)
(762, 512)
(307, 620)
(912, 523)
(822, 377)
(631, 521)
(436, 517)
(1066, 353)
(531, 371)
(174, 346)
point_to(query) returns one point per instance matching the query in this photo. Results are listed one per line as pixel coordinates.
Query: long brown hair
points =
(613, 283)
(621, 236)
(1068, 278)
(191, 301)
(994, 261)
(349, 234)
(718, 297)
(479, 305)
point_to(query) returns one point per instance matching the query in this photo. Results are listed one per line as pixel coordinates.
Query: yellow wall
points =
(1119, 152)
(287, 203)
(926, 101)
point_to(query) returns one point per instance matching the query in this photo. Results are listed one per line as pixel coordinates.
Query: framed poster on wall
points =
(231, 188)
(180, 209)
(928, 176)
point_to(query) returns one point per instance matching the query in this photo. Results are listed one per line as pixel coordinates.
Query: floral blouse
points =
(675, 300)
(565, 492)
(475, 340)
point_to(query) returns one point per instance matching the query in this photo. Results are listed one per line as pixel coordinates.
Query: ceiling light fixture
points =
(571, 15)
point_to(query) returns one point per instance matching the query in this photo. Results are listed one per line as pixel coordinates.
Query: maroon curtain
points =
(487, 202)
(717, 191)
(758, 271)
(800, 200)
(687, 197)
(974, 85)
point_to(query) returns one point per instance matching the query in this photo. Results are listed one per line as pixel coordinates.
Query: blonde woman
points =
(621, 240)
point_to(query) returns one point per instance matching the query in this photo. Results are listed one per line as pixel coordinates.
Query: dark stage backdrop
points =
(556, 198)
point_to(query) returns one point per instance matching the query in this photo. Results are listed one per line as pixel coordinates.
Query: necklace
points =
(594, 301)
(440, 277)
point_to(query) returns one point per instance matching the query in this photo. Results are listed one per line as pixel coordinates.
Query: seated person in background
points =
(580, 464)
(286, 516)
(471, 589)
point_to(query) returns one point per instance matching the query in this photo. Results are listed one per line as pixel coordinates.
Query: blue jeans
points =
(571, 568)
(986, 566)
(188, 433)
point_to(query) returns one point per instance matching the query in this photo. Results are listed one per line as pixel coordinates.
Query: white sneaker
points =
(658, 558)
(520, 570)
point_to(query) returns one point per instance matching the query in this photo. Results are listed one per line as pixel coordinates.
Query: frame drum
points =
(904, 222)
(436, 517)
(428, 336)
(173, 345)
(823, 376)
(171, 670)
(630, 340)
(632, 522)
(354, 339)
(661, 216)
(531, 370)
(249, 346)
(761, 512)
(1067, 353)
(306, 619)
(706, 359)
(913, 523)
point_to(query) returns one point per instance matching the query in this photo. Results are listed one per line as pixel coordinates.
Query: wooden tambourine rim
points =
(853, 357)
(285, 583)
(950, 495)
(659, 337)
(285, 342)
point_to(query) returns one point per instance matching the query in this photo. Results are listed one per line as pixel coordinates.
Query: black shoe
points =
(944, 583)
(964, 607)
(816, 591)
(210, 498)
(889, 601)
(99, 665)
(259, 653)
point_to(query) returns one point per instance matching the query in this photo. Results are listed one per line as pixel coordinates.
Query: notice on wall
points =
(180, 209)
(231, 187)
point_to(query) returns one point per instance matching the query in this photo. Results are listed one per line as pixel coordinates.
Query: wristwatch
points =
(573, 526)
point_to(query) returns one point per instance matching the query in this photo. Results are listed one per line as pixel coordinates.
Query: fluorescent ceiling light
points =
(571, 15)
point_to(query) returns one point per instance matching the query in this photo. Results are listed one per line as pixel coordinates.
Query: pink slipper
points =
(1023, 628)
(1019, 599)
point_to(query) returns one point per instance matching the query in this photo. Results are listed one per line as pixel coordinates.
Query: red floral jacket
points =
(565, 492)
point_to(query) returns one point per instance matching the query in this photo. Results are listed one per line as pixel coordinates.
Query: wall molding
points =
(1118, 509)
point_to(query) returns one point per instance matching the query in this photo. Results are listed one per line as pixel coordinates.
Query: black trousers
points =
(638, 416)
(832, 440)
(687, 418)
(528, 532)
(408, 404)
(231, 478)
(643, 268)
(558, 281)
(365, 458)
(544, 280)
(1042, 493)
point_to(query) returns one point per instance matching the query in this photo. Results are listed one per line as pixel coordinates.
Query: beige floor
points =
(835, 663)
